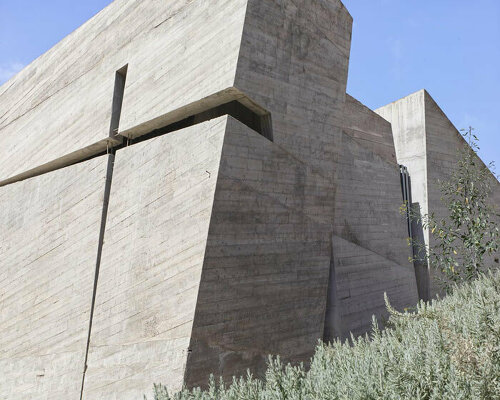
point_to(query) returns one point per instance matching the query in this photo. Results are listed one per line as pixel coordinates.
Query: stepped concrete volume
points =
(186, 187)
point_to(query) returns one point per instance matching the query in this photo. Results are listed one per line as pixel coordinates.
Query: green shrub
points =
(448, 349)
(466, 237)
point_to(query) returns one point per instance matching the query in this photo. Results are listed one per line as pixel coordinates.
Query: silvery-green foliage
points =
(468, 235)
(447, 350)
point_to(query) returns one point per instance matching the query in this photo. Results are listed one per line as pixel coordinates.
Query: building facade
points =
(186, 187)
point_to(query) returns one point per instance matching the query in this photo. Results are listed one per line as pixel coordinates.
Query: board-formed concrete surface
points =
(369, 129)
(443, 143)
(368, 187)
(266, 267)
(253, 204)
(370, 236)
(177, 52)
(49, 231)
(293, 61)
(407, 118)
(427, 143)
(361, 278)
(160, 209)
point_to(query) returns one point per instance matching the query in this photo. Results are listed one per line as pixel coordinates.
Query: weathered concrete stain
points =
(253, 206)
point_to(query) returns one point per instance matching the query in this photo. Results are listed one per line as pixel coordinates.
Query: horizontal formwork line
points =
(260, 123)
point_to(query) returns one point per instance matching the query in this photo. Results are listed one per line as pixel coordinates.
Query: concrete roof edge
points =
(368, 109)
(420, 91)
(343, 5)
(457, 132)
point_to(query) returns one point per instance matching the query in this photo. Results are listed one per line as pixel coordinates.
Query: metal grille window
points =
(406, 192)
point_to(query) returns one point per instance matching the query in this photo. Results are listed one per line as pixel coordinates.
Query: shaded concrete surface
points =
(227, 238)
(370, 251)
(369, 129)
(422, 272)
(362, 278)
(265, 272)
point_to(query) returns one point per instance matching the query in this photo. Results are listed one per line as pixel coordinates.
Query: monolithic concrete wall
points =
(220, 245)
(177, 52)
(160, 208)
(370, 249)
(368, 128)
(408, 123)
(49, 231)
(265, 275)
(293, 62)
(428, 144)
(362, 278)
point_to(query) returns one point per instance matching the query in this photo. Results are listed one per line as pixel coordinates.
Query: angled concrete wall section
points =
(254, 281)
(48, 244)
(362, 278)
(160, 210)
(221, 245)
(427, 143)
(443, 142)
(408, 125)
(369, 191)
(370, 251)
(265, 273)
(293, 61)
(178, 52)
(368, 201)
(369, 129)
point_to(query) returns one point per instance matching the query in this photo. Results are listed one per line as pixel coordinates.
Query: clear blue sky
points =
(449, 47)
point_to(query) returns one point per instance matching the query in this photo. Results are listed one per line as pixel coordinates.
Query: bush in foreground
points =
(466, 237)
(449, 349)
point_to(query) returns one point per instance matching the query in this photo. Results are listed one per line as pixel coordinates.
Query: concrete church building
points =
(186, 188)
